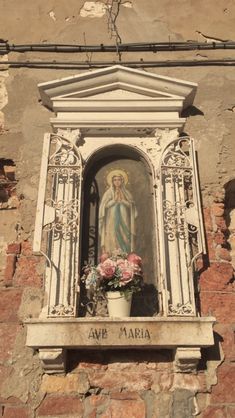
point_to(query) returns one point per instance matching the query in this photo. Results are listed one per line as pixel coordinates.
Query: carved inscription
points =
(123, 333)
(134, 333)
(98, 334)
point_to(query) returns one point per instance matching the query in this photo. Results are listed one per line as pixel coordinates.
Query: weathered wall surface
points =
(115, 384)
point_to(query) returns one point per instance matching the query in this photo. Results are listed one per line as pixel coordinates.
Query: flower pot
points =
(118, 305)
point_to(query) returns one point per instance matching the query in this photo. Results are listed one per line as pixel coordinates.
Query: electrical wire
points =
(102, 64)
(6, 48)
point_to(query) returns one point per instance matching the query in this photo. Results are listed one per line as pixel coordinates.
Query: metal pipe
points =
(5, 48)
(102, 64)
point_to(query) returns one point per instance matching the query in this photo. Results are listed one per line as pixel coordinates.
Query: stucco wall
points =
(115, 384)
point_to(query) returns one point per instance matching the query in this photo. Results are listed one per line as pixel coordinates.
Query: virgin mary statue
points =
(117, 215)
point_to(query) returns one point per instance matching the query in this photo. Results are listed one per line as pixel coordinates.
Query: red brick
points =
(27, 272)
(10, 269)
(95, 366)
(207, 220)
(97, 400)
(14, 248)
(221, 305)
(215, 412)
(124, 395)
(16, 412)
(165, 381)
(224, 391)
(231, 411)
(226, 331)
(121, 380)
(221, 224)
(224, 254)
(127, 408)
(219, 238)
(217, 209)
(217, 277)
(10, 302)
(26, 249)
(59, 405)
(8, 334)
(211, 247)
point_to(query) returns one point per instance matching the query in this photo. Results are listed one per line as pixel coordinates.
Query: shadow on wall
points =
(191, 111)
(229, 203)
(100, 359)
(8, 197)
(211, 353)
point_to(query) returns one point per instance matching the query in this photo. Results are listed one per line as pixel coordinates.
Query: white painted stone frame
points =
(121, 106)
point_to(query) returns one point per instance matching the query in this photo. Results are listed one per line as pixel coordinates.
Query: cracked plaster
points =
(25, 378)
(93, 9)
(211, 124)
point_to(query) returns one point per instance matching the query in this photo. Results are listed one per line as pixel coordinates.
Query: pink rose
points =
(104, 257)
(134, 258)
(137, 269)
(107, 268)
(127, 271)
(121, 263)
(127, 276)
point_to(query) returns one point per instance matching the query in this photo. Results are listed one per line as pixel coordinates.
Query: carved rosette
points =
(181, 309)
(61, 310)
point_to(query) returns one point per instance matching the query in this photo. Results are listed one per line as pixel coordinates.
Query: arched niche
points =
(141, 111)
(130, 230)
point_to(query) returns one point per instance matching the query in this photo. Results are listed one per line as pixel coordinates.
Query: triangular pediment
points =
(117, 91)
(118, 94)
(117, 83)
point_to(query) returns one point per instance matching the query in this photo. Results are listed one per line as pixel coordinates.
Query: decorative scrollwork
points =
(177, 155)
(181, 309)
(64, 154)
(61, 310)
(174, 222)
(64, 172)
(66, 216)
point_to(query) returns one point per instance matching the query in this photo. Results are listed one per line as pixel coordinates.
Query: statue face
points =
(117, 181)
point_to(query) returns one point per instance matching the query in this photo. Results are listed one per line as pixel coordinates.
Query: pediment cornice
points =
(89, 83)
(117, 95)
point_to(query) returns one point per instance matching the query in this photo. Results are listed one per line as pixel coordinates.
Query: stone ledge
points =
(53, 336)
(157, 332)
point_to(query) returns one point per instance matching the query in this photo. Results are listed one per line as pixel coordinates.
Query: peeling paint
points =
(3, 92)
(209, 38)
(93, 9)
(127, 4)
(231, 109)
(52, 15)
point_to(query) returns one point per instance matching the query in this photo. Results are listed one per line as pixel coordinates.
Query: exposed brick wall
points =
(131, 384)
(217, 298)
(16, 362)
(114, 384)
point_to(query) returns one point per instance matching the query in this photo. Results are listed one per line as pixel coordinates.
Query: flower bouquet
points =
(116, 273)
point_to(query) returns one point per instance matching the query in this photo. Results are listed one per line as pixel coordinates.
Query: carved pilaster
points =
(53, 360)
(57, 226)
(186, 359)
(73, 135)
